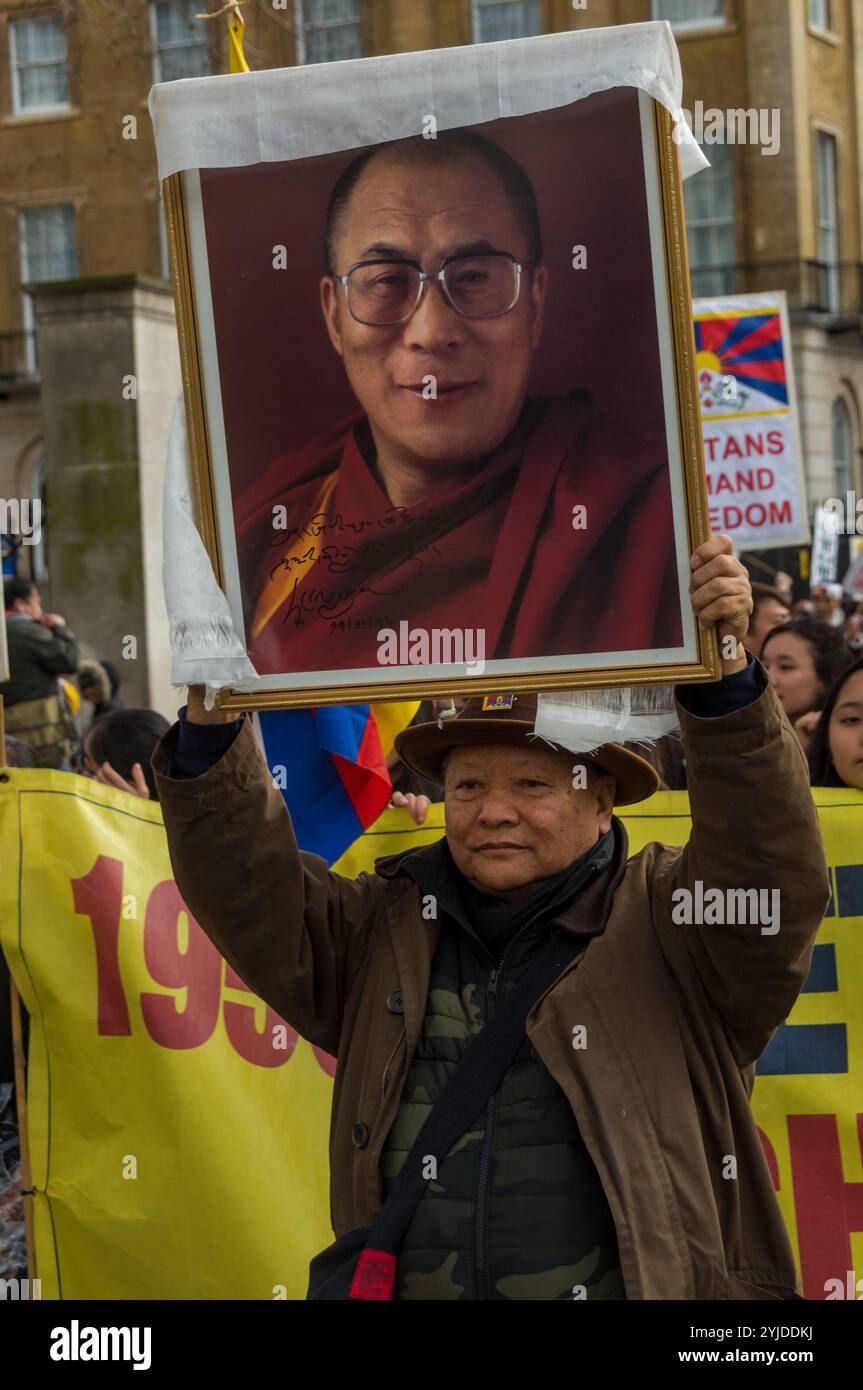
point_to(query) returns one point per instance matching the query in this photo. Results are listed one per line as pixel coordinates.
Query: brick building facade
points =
(79, 195)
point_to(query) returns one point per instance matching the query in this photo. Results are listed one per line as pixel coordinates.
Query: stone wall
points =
(110, 375)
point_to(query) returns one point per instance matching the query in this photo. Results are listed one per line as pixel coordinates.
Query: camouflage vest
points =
(517, 1210)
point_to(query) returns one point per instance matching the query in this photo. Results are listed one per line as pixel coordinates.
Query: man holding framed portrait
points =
(545, 1048)
(542, 1065)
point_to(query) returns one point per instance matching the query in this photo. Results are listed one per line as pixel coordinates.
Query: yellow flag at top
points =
(236, 56)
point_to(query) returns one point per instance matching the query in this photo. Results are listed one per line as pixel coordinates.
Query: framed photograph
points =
(442, 405)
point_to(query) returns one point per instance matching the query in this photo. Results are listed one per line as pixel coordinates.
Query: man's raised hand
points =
(197, 714)
(721, 594)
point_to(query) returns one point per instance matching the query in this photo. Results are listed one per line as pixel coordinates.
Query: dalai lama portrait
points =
(452, 498)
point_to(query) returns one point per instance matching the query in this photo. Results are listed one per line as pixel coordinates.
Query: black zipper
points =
(483, 1184)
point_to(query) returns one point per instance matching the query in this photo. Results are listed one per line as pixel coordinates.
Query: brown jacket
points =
(675, 1015)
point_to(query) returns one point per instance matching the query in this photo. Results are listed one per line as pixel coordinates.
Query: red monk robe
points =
(497, 552)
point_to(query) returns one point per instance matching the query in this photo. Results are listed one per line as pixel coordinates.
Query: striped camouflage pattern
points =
(528, 1219)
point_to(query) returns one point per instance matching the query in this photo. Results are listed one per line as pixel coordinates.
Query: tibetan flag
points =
(391, 717)
(331, 769)
(747, 347)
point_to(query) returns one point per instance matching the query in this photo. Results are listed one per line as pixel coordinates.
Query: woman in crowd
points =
(836, 749)
(118, 747)
(99, 682)
(803, 658)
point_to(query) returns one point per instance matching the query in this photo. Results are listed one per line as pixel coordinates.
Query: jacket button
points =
(396, 1002)
(361, 1135)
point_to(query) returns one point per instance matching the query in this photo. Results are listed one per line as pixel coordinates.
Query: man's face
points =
(32, 605)
(513, 817)
(769, 613)
(426, 211)
(823, 606)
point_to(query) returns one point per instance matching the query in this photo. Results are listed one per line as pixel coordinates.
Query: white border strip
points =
(294, 113)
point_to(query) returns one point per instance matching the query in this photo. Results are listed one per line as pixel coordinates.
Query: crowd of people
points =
(67, 713)
(812, 651)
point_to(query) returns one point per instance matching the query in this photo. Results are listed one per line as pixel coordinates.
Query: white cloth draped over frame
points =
(294, 113)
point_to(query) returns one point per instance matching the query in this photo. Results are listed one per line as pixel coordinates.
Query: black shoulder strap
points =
(474, 1080)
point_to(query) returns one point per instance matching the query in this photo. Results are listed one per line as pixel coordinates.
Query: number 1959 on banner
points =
(98, 895)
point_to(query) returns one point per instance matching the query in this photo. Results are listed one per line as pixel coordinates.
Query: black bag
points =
(331, 1273)
(361, 1264)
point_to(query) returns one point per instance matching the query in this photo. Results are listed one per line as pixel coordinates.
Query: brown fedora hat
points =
(510, 719)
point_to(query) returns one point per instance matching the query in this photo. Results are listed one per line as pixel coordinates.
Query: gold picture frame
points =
(703, 667)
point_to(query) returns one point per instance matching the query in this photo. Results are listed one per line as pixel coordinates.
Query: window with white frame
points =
(494, 20)
(689, 14)
(48, 246)
(819, 14)
(181, 45)
(843, 464)
(827, 222)
(48, 252)
(328, 31)
(710, 224)
(37, 60)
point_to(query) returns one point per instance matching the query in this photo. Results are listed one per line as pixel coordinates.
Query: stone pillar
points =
(110, 372)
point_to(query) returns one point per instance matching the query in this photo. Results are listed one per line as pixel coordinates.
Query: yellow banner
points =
(178, 1142)
(179, 1129)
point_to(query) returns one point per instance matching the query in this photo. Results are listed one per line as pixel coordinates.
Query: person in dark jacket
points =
(41, 648)
(595, 1171)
